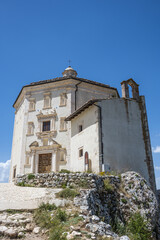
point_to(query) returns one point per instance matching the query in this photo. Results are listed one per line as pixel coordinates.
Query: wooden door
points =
(44, 165)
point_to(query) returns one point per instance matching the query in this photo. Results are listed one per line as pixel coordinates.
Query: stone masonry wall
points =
(59, 180)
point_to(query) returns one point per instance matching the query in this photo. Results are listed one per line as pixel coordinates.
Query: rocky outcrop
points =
(130, 195)
(104, 201)
(158, 219)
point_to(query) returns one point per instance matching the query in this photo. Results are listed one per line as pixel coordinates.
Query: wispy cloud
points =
(158, 182)
(4, 171)
(157, 168)
(156, 149)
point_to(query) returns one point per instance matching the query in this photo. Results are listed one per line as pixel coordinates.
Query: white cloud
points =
(156, 149)
(4, 171)
(158, 182)
(157, 168)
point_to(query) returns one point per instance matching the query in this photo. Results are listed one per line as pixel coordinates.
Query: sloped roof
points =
(82, 108)
(65, 78)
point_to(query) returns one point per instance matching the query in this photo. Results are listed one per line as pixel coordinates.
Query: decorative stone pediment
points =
(49, 115)
(34, 144)
(54, 146)
(55, 143)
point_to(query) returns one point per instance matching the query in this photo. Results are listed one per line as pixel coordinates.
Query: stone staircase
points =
(20, 225)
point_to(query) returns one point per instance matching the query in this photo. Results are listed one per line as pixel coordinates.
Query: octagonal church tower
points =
(42, 137)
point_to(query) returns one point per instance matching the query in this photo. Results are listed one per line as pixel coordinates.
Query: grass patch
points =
(64, 171)
(83, 183)
(23, 184)
(56, 220)
(108, 186)
(31, 176)
(102, 173)
(11, 211)
(67, 193)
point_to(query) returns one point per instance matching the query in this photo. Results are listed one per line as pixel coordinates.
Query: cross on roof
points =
(69, 61)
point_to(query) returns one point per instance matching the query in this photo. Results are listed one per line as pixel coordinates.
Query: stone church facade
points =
(81, 125)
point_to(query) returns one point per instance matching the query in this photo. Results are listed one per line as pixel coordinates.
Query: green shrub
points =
(123, 200)
(108, 186)
(57, 233)
(67, 193)
(43, 218)
(21, 184)
(61, 215)
(102, 173)
(137, 228)
(47, 207)
(42, 215)
(118, 226)
(31, 176)
(64, 171)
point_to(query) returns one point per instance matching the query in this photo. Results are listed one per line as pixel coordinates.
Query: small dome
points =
(69, 72)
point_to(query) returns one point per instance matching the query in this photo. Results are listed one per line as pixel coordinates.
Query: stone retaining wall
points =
(59, 180)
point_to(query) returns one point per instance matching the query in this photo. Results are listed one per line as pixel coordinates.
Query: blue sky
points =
(107, 41)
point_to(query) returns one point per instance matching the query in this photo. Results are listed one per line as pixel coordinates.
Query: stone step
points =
(16, 225)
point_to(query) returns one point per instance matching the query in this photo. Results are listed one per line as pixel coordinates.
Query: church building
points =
(80, 125)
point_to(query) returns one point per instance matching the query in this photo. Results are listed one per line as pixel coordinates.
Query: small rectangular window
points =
(81, 152)
(62, 156)
(46, 126)
(14, 172)
(80, 128)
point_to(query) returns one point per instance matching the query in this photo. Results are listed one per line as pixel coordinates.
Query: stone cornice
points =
(62, 83)
(42, 148)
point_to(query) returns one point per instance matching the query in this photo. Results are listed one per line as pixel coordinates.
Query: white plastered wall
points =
(88, 139)
(123, 141)
(87, 92)
(18, 140)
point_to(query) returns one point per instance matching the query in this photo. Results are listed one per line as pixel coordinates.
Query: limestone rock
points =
(21, 234)
(36, 230)
(12, 233)
(100, 228)
(124, 238)
(3, 229)
(95, 218)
